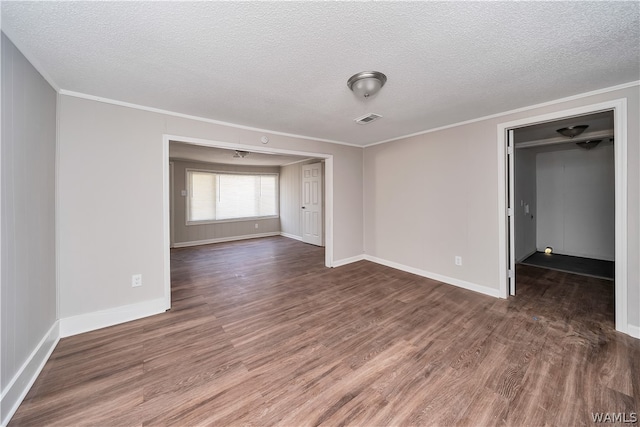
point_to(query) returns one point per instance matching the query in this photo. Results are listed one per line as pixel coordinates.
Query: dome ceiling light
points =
(366, 83)
(588, 145)
(572, 131)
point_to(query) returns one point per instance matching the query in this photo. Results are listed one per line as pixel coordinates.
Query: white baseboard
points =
(20, 384)
(290, 236)
(345, 261)
(224, 239)
(440, 278)
(101, 319)
(633, 330)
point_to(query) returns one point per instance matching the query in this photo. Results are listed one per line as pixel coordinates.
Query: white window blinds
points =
(215, 196)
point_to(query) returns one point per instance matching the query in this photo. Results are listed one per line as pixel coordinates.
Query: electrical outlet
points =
(458, 260)
(256, 225)
(136, 280)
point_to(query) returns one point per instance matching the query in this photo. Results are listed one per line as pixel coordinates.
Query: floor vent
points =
(367, 118)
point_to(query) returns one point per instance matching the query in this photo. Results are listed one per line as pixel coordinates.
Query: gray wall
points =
(192, 233)
(576, 200)
(525, 194)
(290, 199)
(28, 290)
(111, 216)
(433, 196)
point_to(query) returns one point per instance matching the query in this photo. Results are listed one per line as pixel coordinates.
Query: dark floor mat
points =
(573, 264)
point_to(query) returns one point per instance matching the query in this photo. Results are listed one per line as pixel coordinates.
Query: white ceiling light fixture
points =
(366, 83)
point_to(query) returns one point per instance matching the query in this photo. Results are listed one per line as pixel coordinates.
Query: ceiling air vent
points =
(367, 118)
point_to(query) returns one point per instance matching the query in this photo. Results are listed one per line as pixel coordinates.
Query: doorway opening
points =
(515, 214)
(564, 216)
(172, 172)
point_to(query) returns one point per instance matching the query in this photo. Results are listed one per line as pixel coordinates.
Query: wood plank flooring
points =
(261, 333)
(573, 264)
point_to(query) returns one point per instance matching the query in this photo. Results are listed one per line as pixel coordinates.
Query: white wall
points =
(576, 199)
(433, 196)
(111, 199)
(191, 234)
(525, 196)
(28, 291)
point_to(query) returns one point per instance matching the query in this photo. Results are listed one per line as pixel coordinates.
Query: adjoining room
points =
(220, 194)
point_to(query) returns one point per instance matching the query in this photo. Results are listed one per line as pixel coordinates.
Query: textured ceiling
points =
(283, 66)
(184, 151)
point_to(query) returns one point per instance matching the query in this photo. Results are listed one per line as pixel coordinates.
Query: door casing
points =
(312, 195)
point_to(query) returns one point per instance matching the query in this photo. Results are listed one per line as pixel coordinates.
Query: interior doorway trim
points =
(619, 108)
(328, 188)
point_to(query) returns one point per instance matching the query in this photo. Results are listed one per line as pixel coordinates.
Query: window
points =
(224, 196)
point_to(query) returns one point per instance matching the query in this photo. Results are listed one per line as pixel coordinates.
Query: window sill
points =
(222, 221)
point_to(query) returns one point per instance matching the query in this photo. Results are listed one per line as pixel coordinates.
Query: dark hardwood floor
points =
(261, 333)
(573, 264)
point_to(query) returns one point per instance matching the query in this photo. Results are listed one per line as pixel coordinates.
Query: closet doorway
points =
(564, 211)
(512, 210)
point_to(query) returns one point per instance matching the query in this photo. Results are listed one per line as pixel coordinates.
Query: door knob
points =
(302, 207)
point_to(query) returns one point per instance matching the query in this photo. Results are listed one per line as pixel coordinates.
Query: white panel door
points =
(312, 204)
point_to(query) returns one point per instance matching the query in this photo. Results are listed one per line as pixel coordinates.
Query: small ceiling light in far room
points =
(240, 154)
(548, 250)
(264, 139)
(572, 131)
(588, 145)
(366, 83)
